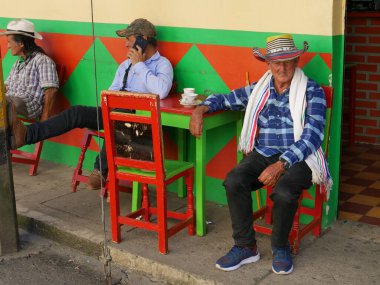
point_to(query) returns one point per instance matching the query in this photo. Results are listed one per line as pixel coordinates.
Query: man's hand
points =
(49, 98)
(136, 55)
(196, 121)
(272, 173)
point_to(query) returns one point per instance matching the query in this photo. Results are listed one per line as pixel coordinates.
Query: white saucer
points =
(195, 103)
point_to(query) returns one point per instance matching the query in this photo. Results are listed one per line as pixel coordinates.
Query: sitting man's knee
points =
(233, 181)
(284, 196)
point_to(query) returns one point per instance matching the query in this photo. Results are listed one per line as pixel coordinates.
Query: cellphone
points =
(141, 42)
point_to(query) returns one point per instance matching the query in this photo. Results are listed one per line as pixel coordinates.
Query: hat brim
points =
(36, 35)
(124, 33)
(281, 56)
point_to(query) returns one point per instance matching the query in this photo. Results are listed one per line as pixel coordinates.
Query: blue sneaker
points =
(236, 257)
(282, 260)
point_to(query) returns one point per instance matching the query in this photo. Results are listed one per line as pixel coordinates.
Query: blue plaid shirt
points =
(275, 121)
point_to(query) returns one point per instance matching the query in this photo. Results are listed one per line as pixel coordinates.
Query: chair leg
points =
(190, 201)
(162, 220)
(145, 202)
(37, 154)
(114, 210)
(318, 208)
(78, 169)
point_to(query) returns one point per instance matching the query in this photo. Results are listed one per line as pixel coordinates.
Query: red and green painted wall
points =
(209, 44)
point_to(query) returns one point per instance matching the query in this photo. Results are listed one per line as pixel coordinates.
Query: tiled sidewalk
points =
(359, 196)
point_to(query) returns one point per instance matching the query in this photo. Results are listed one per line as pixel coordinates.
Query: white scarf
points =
(297, 104)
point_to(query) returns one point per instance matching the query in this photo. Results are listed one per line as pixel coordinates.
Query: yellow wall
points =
(294, 16)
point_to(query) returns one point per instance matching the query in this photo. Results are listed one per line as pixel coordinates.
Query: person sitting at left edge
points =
(32, 82)
(144, 72)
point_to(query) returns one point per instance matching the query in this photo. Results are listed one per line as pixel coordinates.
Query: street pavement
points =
(347, 252)
(44, 262)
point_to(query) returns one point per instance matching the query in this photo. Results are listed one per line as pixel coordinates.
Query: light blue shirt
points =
(155, 75)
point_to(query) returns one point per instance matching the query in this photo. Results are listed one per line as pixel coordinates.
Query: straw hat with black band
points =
(21, 27)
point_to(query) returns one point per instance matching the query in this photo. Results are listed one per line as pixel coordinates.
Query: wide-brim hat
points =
(280, 48)
(21, 27)
(138, 27)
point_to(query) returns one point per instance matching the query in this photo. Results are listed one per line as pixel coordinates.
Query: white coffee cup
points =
(188, 90)
(189, 98)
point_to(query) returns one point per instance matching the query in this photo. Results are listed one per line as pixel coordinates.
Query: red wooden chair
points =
(157, 172)
(34, 158)
(298, 231)
(78, 175)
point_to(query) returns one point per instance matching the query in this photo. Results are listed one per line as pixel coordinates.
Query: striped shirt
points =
(28, 79)
(275, 121)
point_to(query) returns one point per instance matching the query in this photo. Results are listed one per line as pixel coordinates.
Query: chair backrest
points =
(329, 98)
(147, 112)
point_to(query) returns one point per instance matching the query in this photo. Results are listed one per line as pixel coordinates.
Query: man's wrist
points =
(202, 109)
(285, 163)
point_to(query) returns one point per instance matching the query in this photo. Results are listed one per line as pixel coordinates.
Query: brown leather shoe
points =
(17, 127)
(95, 180)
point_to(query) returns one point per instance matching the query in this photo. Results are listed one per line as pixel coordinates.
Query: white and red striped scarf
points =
(297, 104)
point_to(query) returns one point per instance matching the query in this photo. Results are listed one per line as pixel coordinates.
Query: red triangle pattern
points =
(116, 47)
(227, 155)
(173, 51)
(232, 63)
(58, 45)
(73, 138)
(3, 46)
(305, 58)
(327, 58)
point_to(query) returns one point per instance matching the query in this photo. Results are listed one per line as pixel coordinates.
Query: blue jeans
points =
(243, 179)
(74, 117)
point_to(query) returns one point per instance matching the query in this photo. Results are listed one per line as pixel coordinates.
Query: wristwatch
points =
(285, 163)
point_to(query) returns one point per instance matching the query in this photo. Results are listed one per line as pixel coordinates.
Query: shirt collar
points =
(154, 57)
(286, 91)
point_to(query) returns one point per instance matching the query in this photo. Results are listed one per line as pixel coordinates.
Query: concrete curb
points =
(49, 228)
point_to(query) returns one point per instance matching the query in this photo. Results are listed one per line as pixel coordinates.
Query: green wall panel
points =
(195, 71)
(320, 74)
(192, 70)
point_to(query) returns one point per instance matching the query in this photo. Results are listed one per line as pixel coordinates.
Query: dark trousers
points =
(74, 117)
(242, 180)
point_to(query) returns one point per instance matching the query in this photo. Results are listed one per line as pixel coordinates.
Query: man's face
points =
(130, 41)
(283, 71)
(15, 47)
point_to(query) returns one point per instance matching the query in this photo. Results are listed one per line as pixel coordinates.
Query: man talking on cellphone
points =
(145, 71)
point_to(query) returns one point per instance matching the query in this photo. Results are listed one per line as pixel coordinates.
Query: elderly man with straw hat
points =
(33, 80)
(282, 135)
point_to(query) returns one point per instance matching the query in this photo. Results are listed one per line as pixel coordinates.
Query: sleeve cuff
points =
(289, 157)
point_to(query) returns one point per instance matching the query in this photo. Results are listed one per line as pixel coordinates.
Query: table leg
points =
(200, 184)
(136, 196)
